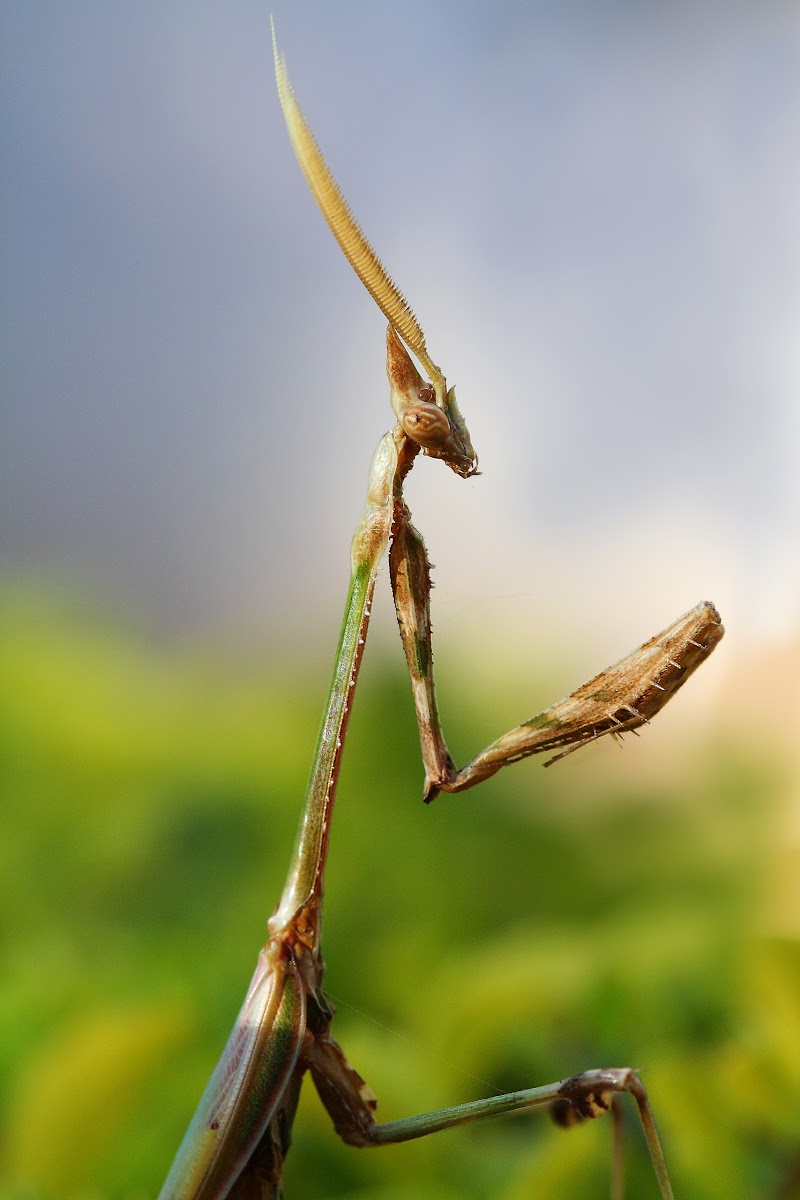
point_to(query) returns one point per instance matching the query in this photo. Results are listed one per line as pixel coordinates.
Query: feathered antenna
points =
(345, 228)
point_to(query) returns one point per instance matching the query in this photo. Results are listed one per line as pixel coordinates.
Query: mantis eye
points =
(426, 424)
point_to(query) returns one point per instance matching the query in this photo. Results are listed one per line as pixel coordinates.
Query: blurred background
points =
(593, 210)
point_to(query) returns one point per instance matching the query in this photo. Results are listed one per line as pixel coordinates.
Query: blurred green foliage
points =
(545, 923)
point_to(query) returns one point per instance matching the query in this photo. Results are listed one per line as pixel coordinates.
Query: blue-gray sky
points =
(594, 210)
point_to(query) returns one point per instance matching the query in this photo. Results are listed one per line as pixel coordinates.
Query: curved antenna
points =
(345, 228)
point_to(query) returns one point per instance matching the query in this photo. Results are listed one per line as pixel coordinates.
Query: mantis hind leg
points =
(570, 1101)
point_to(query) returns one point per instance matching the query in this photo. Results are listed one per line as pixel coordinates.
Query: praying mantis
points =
(238, 1139)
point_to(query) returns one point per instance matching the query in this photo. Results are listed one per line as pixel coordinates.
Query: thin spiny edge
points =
(574, 741)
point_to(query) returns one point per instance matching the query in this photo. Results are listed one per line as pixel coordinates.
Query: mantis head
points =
(427, 413)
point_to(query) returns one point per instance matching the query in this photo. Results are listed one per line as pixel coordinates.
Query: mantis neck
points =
(303, 889)
(305, 878)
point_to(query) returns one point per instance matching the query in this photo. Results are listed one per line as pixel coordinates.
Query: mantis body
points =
(237, 1141)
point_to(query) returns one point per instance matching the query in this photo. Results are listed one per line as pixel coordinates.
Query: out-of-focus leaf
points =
(546, 923)
(74, 1101)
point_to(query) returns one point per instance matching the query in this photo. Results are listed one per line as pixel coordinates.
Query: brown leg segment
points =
(619, 700)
